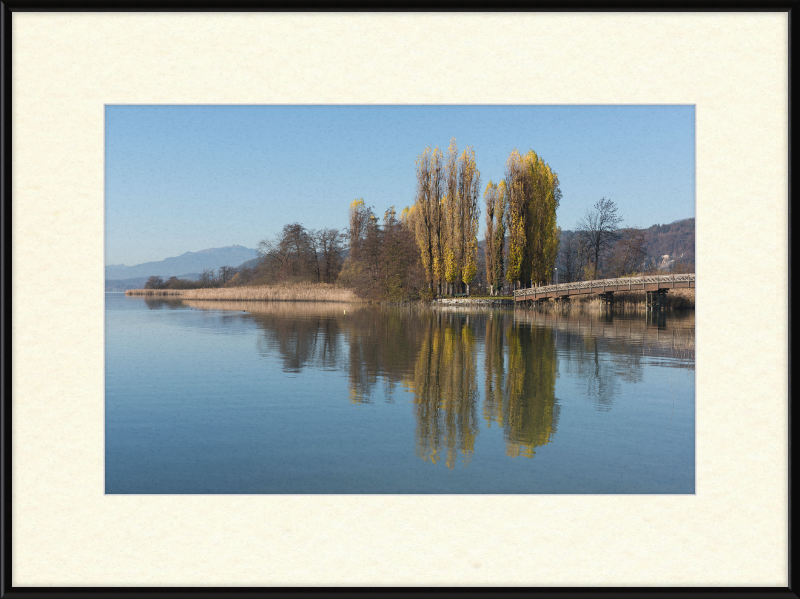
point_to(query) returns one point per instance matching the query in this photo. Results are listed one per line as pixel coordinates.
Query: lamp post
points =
(555, 269)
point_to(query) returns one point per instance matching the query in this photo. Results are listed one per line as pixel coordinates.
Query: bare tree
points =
(359, 216)
(330, 246)
(681, 267)
(599, 229)
(154, 283)
(245, 275)
(225, 274)
(290, 256)
(389, 265)
(572, 258)
(207, 277)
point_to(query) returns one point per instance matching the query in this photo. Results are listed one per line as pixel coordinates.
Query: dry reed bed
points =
(303, 292)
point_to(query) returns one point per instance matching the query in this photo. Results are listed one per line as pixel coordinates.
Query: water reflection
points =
(446, 391)
(439, 356)
(163, 304)
(531, 409)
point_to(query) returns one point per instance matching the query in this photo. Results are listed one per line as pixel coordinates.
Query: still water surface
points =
(283, 397)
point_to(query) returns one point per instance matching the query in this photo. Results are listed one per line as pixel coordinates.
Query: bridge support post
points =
(656, 300)
(661, 299)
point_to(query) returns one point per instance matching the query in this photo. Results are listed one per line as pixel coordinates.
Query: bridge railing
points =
(607, 283)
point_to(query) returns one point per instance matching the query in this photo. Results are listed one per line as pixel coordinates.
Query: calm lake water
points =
(246, 397)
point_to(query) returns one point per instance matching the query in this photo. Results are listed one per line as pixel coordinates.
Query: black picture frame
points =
(7, 10)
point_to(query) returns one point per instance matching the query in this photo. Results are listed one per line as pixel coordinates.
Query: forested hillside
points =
(675, 240)
(659, 248)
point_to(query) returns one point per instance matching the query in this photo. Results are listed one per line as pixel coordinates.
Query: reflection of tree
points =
(495, 371)
(446, 390)
(382, 344)
(434, 355)
(300, 341)
(583, 358)
(162, 304)
(530, 410)
(601, 383)
(369, 345)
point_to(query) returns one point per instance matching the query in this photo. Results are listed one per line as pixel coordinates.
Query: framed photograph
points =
(485, 375)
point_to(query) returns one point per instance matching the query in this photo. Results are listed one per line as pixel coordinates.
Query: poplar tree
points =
(446, 213)
(542, 232)
(469, 212)
(515, 216)
(499, 243)
(424, 215)
(358, 217)
(451, 269)
(533, 195)
(490, 197)
(452, 257)
(437, 193)
(429, 218)
(494, 234)
(461, 216)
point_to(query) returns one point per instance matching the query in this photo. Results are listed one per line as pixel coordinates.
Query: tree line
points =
(431, 248)
(224, 277)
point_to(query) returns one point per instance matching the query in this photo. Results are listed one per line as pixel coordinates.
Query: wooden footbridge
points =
(655, 286)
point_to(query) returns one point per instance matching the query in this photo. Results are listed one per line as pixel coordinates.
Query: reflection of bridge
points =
(656, 287)
(654, 333)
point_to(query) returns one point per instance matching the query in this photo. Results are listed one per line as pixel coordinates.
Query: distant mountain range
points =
(190, 262)
(186, 266)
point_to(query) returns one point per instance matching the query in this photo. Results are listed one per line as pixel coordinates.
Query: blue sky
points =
(186, 178)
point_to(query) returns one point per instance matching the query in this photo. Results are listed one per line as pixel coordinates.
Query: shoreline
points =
(313, 292)
(679, 299)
